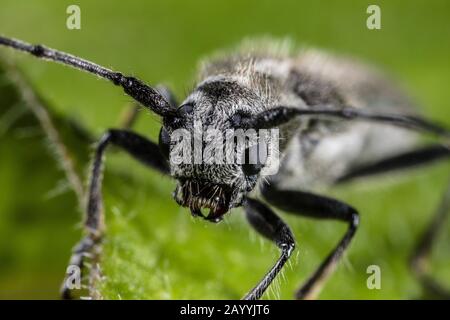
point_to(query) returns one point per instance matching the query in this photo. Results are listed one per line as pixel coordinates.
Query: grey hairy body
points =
(315, 152)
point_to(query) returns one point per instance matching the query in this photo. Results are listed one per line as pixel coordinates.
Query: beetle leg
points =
(268, 224)
(419, 157)
(137, 146)
(421, 253)
(319, 207)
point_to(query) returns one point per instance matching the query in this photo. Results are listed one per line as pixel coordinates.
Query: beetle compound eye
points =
(186, 109)
(236, 120)
(164, 142)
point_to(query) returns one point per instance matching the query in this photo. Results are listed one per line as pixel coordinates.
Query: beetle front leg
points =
(138, 147)
(269, 225)
(319, 207)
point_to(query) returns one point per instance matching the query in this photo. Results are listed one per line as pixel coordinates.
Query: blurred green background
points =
(154, 249)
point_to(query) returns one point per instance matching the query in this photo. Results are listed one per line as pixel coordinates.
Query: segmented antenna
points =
(280, 115)
(135, 88)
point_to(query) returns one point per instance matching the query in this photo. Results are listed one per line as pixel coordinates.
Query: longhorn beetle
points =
(338, 120)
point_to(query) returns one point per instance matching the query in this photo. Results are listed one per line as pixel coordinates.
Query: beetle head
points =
(201, 127)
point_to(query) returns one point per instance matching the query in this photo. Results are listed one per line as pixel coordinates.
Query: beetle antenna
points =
(135, 88)
(280, 115)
